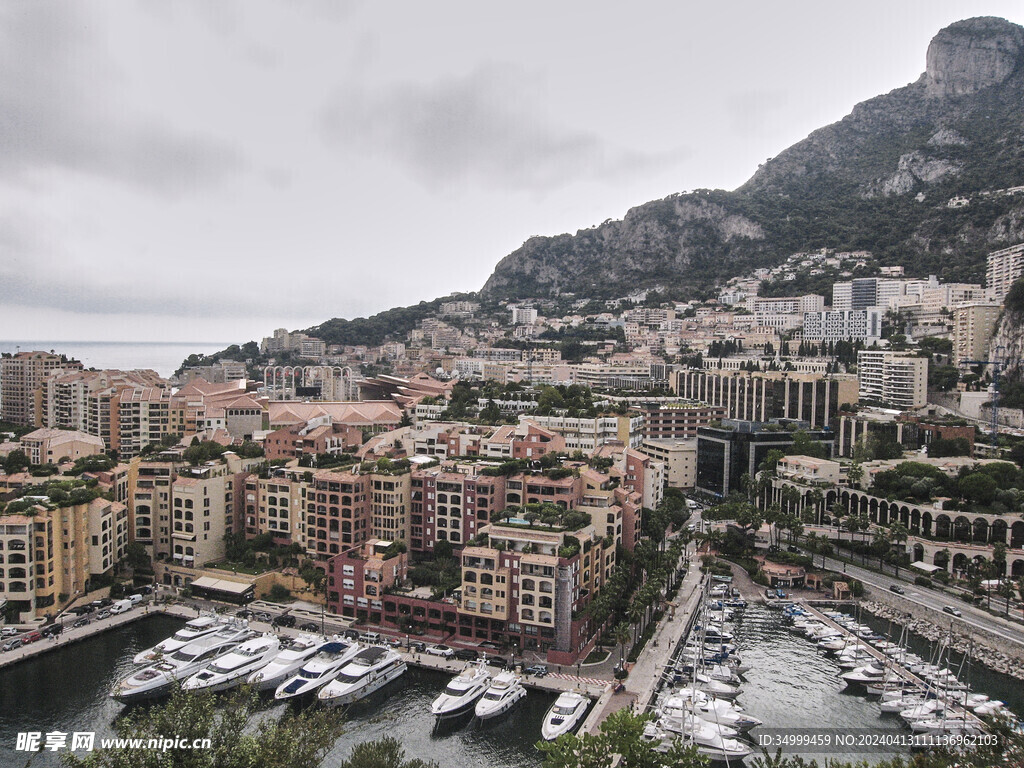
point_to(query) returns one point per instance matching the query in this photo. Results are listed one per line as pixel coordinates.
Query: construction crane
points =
(997, 367)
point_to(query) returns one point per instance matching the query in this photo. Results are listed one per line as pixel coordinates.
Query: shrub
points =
(279, 593)
(923, 581)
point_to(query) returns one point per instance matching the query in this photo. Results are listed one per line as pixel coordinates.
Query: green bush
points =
(923, 581)
(279, 593)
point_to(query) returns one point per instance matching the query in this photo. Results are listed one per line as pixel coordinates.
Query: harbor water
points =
(789, 685)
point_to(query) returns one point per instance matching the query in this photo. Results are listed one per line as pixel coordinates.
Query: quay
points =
(898, 669)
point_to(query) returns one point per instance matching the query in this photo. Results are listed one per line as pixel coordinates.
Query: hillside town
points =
(472, 482)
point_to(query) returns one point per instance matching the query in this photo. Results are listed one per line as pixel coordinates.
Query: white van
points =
(370, 638)
(136, 598)
(121, 606)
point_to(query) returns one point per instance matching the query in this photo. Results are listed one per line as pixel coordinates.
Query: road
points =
(972, 616)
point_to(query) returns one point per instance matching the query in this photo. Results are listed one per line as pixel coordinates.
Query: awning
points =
(921, 565)
(221, 585)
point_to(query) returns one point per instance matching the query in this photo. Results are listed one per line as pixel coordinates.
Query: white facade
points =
(1004, 267)
(843, 325)
(894, 379)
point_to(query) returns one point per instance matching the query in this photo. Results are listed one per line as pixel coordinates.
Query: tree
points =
(978, 488)
(621, 636)
(855, 474)
(803, 445)
(294, 741)
(386, 752)
(898, 534)
(443, 550)
(16, 461)
(620, 734)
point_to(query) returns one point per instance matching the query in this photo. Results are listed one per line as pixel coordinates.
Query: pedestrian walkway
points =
(646, 673)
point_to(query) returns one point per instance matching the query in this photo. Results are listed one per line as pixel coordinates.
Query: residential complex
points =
(892, 379)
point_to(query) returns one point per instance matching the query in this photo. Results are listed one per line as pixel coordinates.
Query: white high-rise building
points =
(843, 325)
(892, 379)
(1004, 267)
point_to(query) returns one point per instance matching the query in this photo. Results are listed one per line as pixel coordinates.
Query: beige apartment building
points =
(973, 326)
(892, 379)
(1004, 267)
(21, 377)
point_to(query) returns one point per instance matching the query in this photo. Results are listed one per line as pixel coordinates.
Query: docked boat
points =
(193, 630)
(924, 711)
(461, 693)
(716, 749)
(291, 656)
(709, 709)
(158, 679)
(232, 668)
(869, 673)
(564, 714)
(503, 693)
(319, 670)
(370, 670)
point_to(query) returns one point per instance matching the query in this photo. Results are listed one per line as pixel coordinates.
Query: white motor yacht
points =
(292, 655)
(319, 670)
(158, 679)
(193, 630)
(716, 687)
(947, 725)
(462, 691)
(370, 670)
(503, 693)
(716, 749)
(232, 668)
(714, 711)
(563, 715)
(869, 673)
(902, 703)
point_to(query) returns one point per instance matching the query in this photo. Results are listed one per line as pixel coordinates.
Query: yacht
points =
(869, 673)
(502, 694)
(945, 725)
(370, 670)
(292, 655)
(319, 670)
(157, 679)
(462, 691)
(716, 749)
(193, 630)
(563, 715)
(711, 709)
(924, 711)
(232, 668)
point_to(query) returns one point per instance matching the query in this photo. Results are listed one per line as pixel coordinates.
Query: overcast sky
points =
(214, 170)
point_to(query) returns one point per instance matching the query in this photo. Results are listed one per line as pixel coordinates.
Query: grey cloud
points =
(58, 108)
(485, 127)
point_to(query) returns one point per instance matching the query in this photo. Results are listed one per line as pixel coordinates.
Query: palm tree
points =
(898, 535)
(621, 635)
(815, 498)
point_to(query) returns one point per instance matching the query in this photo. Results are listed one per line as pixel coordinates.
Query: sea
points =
(164, 357)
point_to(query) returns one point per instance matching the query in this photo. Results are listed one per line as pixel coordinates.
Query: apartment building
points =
(1004, 268)
(315, 437)
(21, 377)
(973, 326)
(143, 417)
(53, 446)
(451, 503)
(892, 379)
(337, 513)
(677, 420)
(587, 434)
(843, 325)
(277, 505)
(786, 305)
(766, 395)
(358, 577)
(181, 513)
(51, 553)
(679, 457)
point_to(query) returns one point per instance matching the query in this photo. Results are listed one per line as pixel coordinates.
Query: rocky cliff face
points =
(970, 55)
(877, 180)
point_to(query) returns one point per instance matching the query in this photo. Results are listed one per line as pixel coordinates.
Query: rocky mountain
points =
(880, 179)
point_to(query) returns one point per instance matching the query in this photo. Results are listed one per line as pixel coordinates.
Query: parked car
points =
(491, 645)
(245, 613)
(136, 598)
(537, 670)
(394, 642)
(284, 620)
(793, 548)
(146, 590)
(104, 614)
(417, 645)
(466, 654)
(441, 650)
(953, 611)
(31, 637)
(51, 630)
(9, 631)
(350, 634)
(497, 661)
(309, 626)
(81, 622)
(102, 602)
(11, 644)
(262, 616)
(370, 638)
(897, 589)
